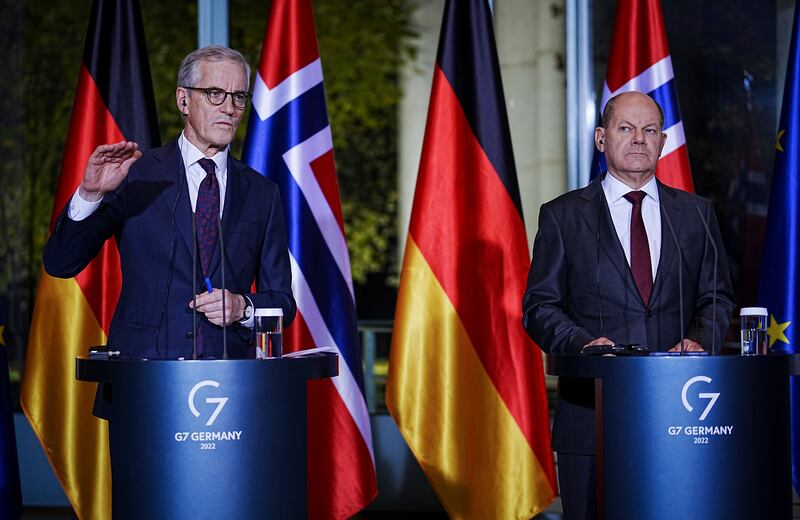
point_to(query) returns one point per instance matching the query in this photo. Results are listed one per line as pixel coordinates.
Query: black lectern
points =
(701, 437)
(208, 439)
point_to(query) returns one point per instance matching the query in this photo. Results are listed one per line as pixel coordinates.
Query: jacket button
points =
(189, 335)
(649, 314)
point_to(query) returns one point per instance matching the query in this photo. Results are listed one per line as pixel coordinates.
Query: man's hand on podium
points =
(210, 304)
(106, 168)
(599, 341)
(691, 346)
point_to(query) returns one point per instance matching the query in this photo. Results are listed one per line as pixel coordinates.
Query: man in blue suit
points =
(164, 207)
(605, 270)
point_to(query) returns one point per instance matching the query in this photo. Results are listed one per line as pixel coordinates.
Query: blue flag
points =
(10, 490)
(779, 291)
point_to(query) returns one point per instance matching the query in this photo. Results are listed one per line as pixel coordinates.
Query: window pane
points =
(724, 58)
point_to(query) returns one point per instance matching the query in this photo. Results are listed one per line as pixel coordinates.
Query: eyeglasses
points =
(216, 96)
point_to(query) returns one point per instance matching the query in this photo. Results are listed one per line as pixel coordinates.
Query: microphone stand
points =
(710, 240)
(680, 275)
(194, 286)
(222, 268)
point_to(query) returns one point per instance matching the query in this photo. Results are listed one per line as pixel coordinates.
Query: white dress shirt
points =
(79, 208)
(615, 191)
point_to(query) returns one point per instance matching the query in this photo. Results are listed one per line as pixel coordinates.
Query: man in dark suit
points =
(605, 270)
(151, 201)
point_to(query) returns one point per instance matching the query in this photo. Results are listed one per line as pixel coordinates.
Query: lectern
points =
(208, 439)
(703, 437)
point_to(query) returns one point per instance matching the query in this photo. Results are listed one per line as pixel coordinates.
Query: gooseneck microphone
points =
(163, 318)
(598, 296)
(680, 275)
(222, 269)
(194, 285)
(710, 240)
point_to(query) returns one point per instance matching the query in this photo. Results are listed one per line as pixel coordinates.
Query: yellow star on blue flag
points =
(777, 331)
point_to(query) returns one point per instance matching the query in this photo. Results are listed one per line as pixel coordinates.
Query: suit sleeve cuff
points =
(79, 208)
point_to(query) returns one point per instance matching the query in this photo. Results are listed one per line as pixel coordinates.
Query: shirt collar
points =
(191, 154)
(615, 189)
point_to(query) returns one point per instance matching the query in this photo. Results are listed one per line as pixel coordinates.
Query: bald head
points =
(608, 111)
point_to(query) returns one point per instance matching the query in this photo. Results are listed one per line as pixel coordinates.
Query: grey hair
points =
(189, 74)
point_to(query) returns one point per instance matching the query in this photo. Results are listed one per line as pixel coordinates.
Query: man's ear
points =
(180, 100)
(600, 138)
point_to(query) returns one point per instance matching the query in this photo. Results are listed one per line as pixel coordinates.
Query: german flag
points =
(466, 384)
(113, 102)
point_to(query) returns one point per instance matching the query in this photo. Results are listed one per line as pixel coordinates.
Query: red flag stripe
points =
(338, 497)
(288, 46)
(92, 124)
(101, 283)
(336, 486)
(297, 336)
(324, 168)
(647, 26)
(672, 167)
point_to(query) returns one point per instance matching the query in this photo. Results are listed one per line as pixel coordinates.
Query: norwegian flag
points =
(639, 60)
(289, 141)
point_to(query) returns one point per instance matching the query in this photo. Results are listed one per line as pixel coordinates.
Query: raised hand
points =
(107, 168)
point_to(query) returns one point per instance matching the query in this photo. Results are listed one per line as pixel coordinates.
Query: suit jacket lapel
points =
(668, 261)
(235, 194)
(176, 194)
(598, 218)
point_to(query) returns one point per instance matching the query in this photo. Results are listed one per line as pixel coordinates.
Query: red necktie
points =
(207, 213)
(640, 249)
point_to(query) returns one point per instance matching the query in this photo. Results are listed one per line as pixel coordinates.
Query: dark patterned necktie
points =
(640, 249)
(207, 213)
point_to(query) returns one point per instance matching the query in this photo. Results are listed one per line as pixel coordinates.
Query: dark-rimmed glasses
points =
(216, 96)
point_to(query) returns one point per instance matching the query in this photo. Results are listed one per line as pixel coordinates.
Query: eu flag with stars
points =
(780, 288)
(10, 494)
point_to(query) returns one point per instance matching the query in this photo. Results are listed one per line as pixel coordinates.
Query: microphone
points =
(194, 285)
(598, 296)
(710, 240)
(171, 261)
(222, 269)
(680, 275)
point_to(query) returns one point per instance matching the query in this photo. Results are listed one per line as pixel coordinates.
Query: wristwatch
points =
(248, 309)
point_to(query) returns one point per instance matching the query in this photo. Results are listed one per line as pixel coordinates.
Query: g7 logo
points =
(220, 401)
(711, 396)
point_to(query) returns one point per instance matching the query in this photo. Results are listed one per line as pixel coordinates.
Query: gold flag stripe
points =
(454, 420)
(58, 406)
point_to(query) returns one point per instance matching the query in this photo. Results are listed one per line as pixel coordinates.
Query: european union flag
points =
(10, 491)
(780, 287)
